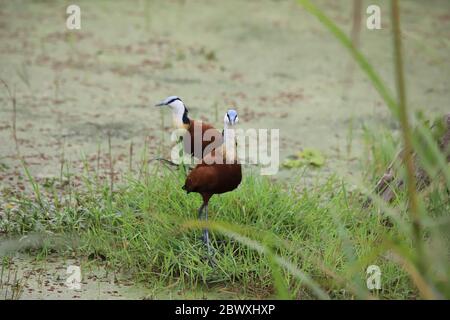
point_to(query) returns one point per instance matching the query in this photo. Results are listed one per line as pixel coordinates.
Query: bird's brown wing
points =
(209, 135)
(202, 178)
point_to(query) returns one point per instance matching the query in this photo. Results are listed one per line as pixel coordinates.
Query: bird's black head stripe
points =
(185, 117)
(174, 99)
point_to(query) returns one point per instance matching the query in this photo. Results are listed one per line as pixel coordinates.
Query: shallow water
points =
(46, 279)
(271, 60)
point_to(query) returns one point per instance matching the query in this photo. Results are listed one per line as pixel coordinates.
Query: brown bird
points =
(219, 171)
(194, 130)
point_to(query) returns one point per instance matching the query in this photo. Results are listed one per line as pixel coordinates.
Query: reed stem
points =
(413, 204)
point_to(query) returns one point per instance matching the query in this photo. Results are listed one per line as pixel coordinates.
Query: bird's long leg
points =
(201, 216)
(206, 232)
(200, 211)
(205, 238)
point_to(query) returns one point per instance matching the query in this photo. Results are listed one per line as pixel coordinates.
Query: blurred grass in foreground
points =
(430, 158)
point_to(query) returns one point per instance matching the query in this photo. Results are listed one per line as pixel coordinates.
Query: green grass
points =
(271, 239)
(419, 142)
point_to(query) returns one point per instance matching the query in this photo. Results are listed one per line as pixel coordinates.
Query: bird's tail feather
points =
(169, 162)
(165, 161)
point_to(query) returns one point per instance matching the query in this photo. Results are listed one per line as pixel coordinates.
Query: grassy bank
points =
(271, 239)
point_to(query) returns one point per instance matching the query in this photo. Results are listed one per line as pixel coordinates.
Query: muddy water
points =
(46, 279)
(55, 278)
(269, 59)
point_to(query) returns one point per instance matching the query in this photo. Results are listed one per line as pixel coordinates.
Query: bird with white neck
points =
(195, 130)
(209, 179)
(225, 153)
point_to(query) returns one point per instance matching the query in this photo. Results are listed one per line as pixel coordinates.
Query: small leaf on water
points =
(308, 156)
(293, 163)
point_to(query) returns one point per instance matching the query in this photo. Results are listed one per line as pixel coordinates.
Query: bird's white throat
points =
(228, 133)
(229, 142)
(177, 113)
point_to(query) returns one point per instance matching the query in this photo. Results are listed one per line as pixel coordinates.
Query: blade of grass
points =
(33, 183)
(407, 135)
(231, 232)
